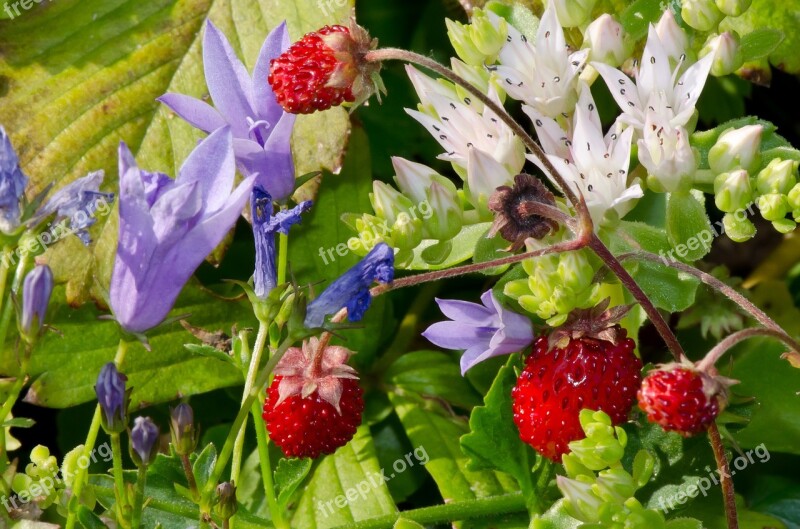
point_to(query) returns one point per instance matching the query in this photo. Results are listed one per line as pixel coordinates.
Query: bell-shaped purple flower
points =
(260, 127)
(144, 441)
(79, 202)
(36, 291)
(113, 398)
(12, 185)
(351, 290)
(482, 331)
(265, 225)
(167, 227)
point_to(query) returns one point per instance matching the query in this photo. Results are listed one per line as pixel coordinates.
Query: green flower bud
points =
(733, 8)
(773, 206)
(479, 42)
(727, 53)
(225, 505)
(738, 227)
(784, 225)
(733, 191)
(582, 503)
(573, 13)
(778, 177)
(794, 197)
(182, 430)
(607, 41)
(406, 233)
(414, 179)
(615, 485)
(702, 15)
(446, 216)
(388, 203)
(370, 231)
(736, 148)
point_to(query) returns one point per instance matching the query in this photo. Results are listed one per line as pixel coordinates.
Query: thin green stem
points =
(227, 448)
(119, 482)
(19, 383)
(283, 256)
(6, 257)
(492, 506)
(8, 307)
(276, 513)
(91, 438)
(138, 502)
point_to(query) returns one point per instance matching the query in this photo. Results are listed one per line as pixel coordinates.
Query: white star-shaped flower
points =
(658, 88)
(595, 165)
(545, 75)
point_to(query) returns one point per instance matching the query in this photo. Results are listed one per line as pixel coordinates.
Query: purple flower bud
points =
(351, 290)
(144, 441)
(12, 185)
(36, 292)
(482, 331)
(225, 500)
(181, 426)
(113, 399)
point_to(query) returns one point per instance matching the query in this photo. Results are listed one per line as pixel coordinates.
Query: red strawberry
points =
(324, 69)
(592, 366)
(314, 403)
(682, 399)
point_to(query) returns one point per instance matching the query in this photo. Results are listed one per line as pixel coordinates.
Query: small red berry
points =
(682, 399)
(324, 69)
(313, 407)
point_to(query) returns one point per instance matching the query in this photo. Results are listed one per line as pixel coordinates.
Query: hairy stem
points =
(187, 469)
(384, 54)
(660, 324)
(266, 467)
(725, 476)
(138, 502)
(119, 483)
(729, 341)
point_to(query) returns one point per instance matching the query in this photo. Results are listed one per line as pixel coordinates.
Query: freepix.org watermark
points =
(374, 231)
(48, 484)
(361, 489)
(705, 483)
(12, 9)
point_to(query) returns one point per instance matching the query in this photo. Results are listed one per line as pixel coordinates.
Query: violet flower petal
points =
(197, 113)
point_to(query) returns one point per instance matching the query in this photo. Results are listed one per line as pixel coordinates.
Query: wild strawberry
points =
(683, 399)
(314, 403)
(324, 69)
(586, 364)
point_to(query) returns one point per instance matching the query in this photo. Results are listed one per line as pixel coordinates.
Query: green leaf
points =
(70, 96)
(402, 523)
(345, 487)
(760, 43)
(88, 519)
(204, 465)
(638, 15)
(488, 249)
(66, 366)
(434, 374)
(666, 287)
(289, 475)
(684, 523)
(688, 227)
(18, 422)
(209, 352)
(435, 434)
(462, 247)
(780, 16)
(493, 441)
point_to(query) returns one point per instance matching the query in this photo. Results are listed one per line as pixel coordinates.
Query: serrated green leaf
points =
(66, 366)
(289, 475)
(434, 374)
(345, 487)
(204, 465)
(760, 43)
(70, 96)
(688, 227)
(429, 428)
(780, 16)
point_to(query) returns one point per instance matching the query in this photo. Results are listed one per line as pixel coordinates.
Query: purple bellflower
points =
(12, 185)
(167, 227)
(265, 225)
(351, 290)
(260, 127)
(482, 331)
(144, 441)
(112, 397)
(36, 290)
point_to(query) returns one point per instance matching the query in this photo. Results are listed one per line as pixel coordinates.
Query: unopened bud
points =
(671, 36)
(727, 53)
(484, 176)
(779, 176)
(144, 441)
(573, 13)
(733, 8)
(479, 42)
(36, 291)
(702, 15)
(225, 501)
(732, 191)
(387, 202)
(773, 206)
(414, 179)
(181, 427)
(112, 396)
(445, 217)
(784, 225)
(738, 227)
(406, 233)
(737, 148)
(607, 41)
(582, 503)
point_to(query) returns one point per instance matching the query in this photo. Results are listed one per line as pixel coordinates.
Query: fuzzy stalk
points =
(119, 482)
(726, 482)
(138, 501)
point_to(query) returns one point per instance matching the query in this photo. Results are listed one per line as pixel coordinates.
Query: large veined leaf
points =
(81, 75)
(65, 368)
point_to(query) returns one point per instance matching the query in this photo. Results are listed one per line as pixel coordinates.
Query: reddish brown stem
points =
(726, 481)
(725, 345)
